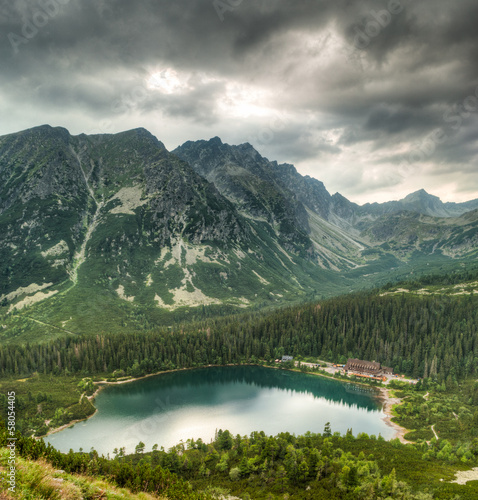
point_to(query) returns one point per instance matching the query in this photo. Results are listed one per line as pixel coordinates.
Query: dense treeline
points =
(424, 336)
(458, 276)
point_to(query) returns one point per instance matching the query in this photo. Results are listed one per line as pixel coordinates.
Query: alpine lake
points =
(172, 407)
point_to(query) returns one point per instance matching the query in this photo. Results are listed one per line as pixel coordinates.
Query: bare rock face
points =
(254, 185)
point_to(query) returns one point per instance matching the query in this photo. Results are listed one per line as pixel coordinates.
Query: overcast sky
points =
(375, 98)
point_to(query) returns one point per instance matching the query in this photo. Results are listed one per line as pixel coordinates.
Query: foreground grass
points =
(39, 480)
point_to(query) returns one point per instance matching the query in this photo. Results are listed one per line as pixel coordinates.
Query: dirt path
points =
(50, 325)
(436, 435)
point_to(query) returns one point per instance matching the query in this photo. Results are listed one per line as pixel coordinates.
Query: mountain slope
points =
(298, 207)
(246, 179)
(113, 232)
(340, 234)
(403, 233)
(116, 223)
(110, 196)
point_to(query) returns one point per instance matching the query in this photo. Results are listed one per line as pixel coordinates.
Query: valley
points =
(121, 260)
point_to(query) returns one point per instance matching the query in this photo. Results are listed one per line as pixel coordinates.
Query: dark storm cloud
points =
(393, 121)
(293, 142)
(355, 78)
(198, 104)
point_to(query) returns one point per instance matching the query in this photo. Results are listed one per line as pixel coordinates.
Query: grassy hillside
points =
(415, 335)
(38, 480)
(94, 306)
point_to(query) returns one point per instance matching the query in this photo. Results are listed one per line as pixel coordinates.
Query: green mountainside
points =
(116, 223)
(108, 233)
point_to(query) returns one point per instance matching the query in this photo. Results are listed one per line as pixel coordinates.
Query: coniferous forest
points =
(419, 336)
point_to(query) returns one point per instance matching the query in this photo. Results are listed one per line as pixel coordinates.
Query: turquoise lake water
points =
(176, 406)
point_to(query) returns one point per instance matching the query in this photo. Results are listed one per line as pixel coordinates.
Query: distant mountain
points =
(112, 232)
(423, 203)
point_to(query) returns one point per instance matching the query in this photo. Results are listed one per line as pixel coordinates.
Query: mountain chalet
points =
(367, 367)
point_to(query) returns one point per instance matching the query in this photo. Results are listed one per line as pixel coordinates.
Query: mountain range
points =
(106, 232)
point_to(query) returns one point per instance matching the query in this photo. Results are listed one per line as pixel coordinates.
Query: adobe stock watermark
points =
(12, 442)
(128, 101)
(150, 426)
(223, 6)
(454, 119)
(376, 23)
(267, 133)
(32, 24)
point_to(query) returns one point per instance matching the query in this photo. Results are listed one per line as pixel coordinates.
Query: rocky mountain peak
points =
(43, 131)
(425, 203)
(421, 194)
(139, 134)
(215, 141)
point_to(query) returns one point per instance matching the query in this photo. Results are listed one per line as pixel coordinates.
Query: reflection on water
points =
(195, 403)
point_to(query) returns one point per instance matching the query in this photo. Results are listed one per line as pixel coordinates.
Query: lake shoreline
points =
(382, 394)
(104, 383)
(65, 426)
(388, 403)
